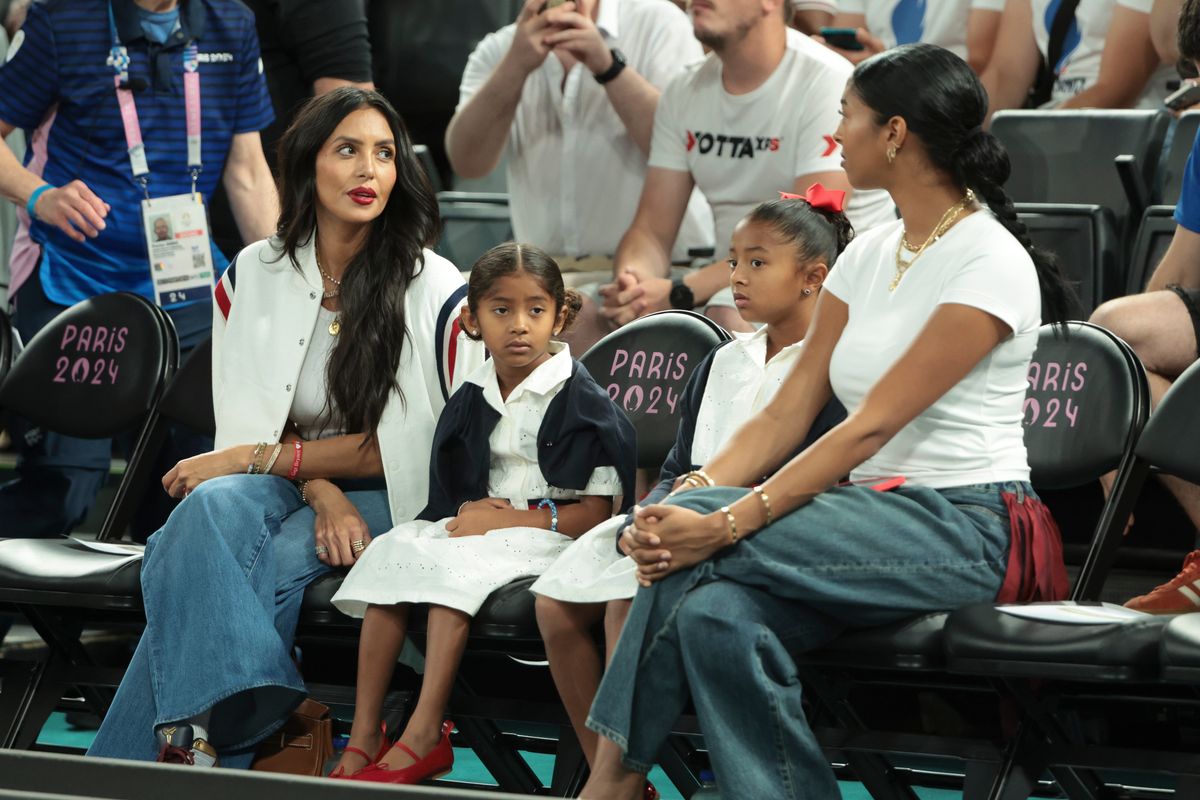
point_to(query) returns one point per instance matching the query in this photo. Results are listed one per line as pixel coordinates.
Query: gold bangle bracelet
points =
(733, 533)
(702, 475)
(766, 501)
(258, 451)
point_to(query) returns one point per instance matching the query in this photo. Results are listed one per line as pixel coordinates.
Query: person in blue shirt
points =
(1162, 325)
(80, 206)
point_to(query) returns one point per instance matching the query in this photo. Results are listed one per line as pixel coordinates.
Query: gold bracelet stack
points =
(255, 460)
(698, 478)
(733, 524)
(274, 457)
(766, 501)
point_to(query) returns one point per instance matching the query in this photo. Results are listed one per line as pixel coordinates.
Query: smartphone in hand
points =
(842, 38)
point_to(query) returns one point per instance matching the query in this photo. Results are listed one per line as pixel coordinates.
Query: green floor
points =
(468, 768)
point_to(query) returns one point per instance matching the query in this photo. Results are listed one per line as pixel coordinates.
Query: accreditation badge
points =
(180, 248)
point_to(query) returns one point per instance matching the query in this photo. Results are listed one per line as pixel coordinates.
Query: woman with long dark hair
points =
(333, 344)
(925, 332)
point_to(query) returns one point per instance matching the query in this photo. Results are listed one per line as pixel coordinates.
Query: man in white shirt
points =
(965, 27)
(1106, 59)
(570, 93)
(754, 118)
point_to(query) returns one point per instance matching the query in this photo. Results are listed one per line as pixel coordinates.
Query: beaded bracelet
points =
(733, 532)
(547, 502)
(296, 457)
(303, 487)
(766, 501)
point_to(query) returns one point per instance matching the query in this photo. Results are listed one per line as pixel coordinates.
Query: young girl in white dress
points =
(780, 254)
(529, 453)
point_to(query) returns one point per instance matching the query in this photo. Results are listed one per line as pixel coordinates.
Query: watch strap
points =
(618, 64)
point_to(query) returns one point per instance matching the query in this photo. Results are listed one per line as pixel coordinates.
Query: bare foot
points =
(628, 786)
(351, 762)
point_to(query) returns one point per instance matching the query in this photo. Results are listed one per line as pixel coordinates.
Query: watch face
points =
(682, 297)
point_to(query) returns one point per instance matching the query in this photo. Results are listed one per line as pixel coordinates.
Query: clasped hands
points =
(632, 295)
(664, 539)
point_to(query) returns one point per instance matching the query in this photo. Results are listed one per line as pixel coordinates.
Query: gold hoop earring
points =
(891, 154)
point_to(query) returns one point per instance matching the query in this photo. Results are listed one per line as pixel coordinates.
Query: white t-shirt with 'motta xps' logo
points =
(744, 149)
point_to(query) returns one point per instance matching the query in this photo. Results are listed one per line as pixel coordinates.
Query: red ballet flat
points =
(438, 762)
(384, 745)
(651, 793)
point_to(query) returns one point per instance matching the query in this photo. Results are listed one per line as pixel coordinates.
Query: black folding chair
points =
(96, 370)
(1177, 155)
(1153, 238)
(8, 344)
(1061, 157)
(472, 223)
(1085, 406)
(1086, 240)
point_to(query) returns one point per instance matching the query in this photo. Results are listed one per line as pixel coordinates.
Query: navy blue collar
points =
(129, 27)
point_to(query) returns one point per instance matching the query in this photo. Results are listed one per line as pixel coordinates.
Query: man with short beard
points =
(756, 117)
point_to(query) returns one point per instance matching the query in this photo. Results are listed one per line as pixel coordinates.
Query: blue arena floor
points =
(467, 767)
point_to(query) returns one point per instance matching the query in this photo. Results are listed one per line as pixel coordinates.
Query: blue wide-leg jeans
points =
(222, 584)
(722, 631)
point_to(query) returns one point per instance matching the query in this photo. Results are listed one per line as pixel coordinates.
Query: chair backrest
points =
(1070, 156)
(472, 225)
(96, 370)
(1085, 240)
(645, 366)
(1085, 407)
(1171, 440)
(1153, 238)
(8, 344)
(425, 158)
(1177, 155)
(188, 397)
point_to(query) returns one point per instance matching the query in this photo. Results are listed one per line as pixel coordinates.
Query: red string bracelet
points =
(295, 470)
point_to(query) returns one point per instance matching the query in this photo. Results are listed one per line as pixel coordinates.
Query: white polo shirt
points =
(574, 172)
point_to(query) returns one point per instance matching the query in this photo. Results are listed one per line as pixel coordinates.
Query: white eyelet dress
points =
(740, 383)
(418, 562)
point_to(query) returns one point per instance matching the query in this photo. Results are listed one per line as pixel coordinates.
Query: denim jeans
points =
(59, 476)
(722, 630)
(223, 583)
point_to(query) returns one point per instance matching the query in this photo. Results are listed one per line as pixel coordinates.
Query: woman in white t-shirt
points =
(925, 333)
(1106, 60)
(965, 27)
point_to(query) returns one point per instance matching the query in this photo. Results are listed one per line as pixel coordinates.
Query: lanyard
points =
(118, 59)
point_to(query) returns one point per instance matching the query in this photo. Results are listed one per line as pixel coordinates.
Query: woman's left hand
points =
(191, 472)
(666, 539)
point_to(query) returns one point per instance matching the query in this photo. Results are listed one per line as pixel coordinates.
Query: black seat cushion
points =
(1180, 649)
(507, 614)
(982, 640)
(62, 572)
(914, 643)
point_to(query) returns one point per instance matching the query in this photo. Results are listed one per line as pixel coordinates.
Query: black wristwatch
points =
(612, 72)
(682, 296)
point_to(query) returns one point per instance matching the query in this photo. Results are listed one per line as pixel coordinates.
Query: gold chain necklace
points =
(944, 224)
(335, 327)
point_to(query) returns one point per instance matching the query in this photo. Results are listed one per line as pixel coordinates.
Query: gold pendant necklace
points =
(335, 327)
(944, 224)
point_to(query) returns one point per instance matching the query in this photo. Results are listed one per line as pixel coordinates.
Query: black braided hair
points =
(944, 105)
(818, 233)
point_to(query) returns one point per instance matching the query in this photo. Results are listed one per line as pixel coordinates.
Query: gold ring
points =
(322, 549)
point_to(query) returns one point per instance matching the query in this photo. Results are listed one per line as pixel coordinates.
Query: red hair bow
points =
(818, 196)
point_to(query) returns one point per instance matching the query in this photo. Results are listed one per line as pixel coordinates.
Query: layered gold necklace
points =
(944, 224)
(335, 327)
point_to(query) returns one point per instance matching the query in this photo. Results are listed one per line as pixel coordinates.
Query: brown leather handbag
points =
(302, 746)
